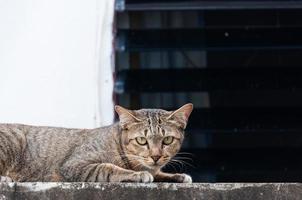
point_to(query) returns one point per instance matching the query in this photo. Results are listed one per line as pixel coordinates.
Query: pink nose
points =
(155, 158)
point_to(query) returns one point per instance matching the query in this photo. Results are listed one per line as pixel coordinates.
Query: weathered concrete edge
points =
(52, 190)
(41, 186)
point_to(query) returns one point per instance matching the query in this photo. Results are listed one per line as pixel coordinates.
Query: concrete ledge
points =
(153, 191)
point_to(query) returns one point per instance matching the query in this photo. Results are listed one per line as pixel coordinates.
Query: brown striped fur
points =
(106, 154)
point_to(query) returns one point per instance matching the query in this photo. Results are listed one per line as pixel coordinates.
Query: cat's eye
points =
(141, 140)
(168, 140)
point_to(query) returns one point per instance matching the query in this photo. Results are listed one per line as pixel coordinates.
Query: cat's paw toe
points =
(143, 177)
(183, 178)
(5, 179)
(187, 178)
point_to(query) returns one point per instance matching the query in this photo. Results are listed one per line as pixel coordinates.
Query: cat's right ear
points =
(126, 116)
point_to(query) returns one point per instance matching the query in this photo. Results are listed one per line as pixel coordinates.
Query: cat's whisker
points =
(180, 164)
(171, 164)
(186, 163)
(185, 153)
(184, 158)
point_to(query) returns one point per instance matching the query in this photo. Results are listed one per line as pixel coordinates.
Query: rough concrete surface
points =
(153, 191)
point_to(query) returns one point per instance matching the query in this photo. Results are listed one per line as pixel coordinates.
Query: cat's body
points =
(125, 151)
(37, 153)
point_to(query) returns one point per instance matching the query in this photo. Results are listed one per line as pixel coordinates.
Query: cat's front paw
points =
(183, 178)
(141, 177)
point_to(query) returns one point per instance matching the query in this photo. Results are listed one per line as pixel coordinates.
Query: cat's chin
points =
(151, 167)
(155, 167)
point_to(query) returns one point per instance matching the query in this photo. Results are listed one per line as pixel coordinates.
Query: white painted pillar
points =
(56, 62)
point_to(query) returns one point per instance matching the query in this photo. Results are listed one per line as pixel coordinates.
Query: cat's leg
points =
(167, 177)
(108, 172)
(105, 172)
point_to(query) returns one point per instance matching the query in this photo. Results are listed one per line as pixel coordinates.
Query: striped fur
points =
(106, 154)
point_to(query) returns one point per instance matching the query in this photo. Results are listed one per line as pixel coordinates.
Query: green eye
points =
(168, 140)
(141, 140)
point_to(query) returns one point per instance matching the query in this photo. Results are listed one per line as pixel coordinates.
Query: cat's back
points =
(39, 151)
(6, 127)
(44, 139)
(31, 131)
(50, 139)
(13, 133)
(53, 135)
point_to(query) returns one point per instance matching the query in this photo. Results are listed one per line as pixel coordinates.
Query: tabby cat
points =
(132, 150)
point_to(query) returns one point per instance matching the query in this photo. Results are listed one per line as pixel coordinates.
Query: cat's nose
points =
(155, 158)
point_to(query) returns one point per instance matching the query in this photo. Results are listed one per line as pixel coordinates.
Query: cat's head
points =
(151, 137)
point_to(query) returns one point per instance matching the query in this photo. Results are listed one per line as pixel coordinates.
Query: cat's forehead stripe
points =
(159, 125)
(153, 120)
(150, 123)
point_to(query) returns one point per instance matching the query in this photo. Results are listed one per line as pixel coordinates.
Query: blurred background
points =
(239, 63)
(67, 62)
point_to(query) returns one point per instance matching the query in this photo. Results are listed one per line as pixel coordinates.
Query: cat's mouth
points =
(152, 165)
(145, 163)
(158, 164)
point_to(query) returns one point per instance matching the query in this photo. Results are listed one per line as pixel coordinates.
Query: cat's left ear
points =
(126, 116)
(182, 115)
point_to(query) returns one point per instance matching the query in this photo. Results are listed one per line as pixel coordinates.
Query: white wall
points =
(55, 58)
